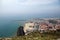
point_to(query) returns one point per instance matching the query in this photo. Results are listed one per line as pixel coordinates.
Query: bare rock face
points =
(20, 31)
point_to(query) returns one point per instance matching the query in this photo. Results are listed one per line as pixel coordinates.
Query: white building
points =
(28, 27)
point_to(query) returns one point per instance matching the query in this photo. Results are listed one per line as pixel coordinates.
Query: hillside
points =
(39, 36)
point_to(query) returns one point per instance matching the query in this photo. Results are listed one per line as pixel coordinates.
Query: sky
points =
(23, 7)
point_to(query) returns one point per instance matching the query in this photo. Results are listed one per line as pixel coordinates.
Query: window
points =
(50, 27)
(30, 26)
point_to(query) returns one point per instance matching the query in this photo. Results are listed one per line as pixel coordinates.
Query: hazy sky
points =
(15, 7)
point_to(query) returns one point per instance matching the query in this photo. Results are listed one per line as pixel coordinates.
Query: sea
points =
(10, 24)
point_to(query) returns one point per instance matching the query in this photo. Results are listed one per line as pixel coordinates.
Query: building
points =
(40, 25)
(28, 27)
(51, 27)
(57, 27)
(43, 27)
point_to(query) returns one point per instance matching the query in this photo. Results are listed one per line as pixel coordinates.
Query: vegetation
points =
(53, 21)
(39, 36)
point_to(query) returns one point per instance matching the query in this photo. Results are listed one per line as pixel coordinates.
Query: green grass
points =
(39, 36)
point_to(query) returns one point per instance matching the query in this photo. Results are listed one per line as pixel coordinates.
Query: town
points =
(42, 25)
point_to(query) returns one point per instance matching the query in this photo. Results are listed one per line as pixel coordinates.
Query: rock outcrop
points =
(20, 31)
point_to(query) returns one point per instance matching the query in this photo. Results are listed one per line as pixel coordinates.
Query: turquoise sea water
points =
(10, 24)
(9, 28)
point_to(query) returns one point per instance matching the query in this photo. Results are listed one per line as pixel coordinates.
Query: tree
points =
(53, 21)
(20, 31)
